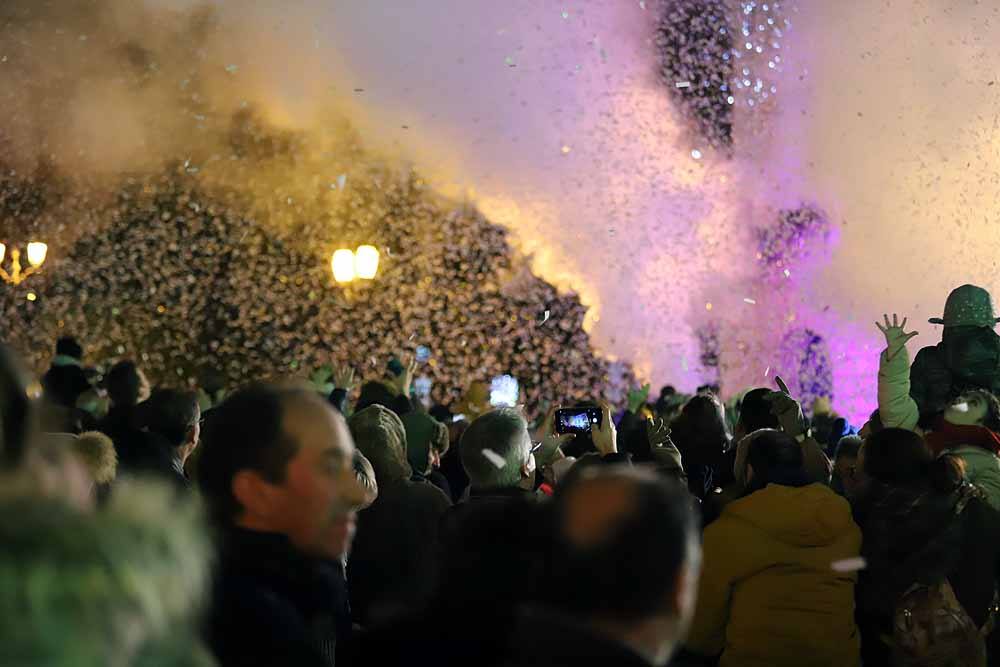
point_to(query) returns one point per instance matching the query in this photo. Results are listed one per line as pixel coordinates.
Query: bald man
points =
(624, 570)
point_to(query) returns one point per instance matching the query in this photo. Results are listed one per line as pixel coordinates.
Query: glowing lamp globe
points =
(343, 266)
(366, 261)
(36, 253)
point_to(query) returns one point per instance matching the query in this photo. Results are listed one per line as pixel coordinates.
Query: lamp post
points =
(348, 265)
(36, 257)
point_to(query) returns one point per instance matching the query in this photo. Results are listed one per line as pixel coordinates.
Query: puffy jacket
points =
(768, 595)
(898, 410)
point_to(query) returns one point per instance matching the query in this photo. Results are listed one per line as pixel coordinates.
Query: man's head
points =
(496, 451)
(975, 408)
(774, 457)
(127, 385)
(63, 385)
(280, 460)
(625, 557)
(755, 413)
(68, 347)
(175, 416)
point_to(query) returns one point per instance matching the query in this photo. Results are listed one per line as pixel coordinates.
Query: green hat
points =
(968, 306)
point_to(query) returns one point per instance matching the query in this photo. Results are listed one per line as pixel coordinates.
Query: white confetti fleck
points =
(342, 181)
(849, 564)
(546, 316)
(767, 372)
(750, 301)
(696, 154)
(683, 84)
(495, 459)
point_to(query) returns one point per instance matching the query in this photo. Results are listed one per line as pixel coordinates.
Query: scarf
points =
(949, 436)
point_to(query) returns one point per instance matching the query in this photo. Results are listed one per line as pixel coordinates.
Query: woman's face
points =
(967, 410)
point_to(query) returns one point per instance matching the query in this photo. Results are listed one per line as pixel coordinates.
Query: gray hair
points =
(494, 448)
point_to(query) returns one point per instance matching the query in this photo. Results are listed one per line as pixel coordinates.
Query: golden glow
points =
(36, 253)
(343, 266)
(366, 261)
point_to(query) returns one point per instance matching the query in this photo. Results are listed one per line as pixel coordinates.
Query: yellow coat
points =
(768, 596)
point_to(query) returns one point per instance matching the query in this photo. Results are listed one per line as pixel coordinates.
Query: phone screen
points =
(578, 420)
(504, 391)
(422, 387)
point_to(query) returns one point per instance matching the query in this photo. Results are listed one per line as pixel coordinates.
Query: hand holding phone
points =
(578, 420)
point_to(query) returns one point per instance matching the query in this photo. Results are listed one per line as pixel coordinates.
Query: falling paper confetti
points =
(495, 459)
(750, 301)
(849, 564)
(546, 317)
(342, 181)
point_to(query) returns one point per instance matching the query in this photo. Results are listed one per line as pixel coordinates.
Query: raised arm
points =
(896, 408)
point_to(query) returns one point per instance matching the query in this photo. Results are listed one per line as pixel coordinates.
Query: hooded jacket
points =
(89, 589)
(898, 410)
(913, 535)
(391, 564)
(768, 595)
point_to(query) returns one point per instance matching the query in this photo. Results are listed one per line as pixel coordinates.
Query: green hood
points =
(115, 587)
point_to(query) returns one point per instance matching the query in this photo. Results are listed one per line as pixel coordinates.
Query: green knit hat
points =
(968, 306)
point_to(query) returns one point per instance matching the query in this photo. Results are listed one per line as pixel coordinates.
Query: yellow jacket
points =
(768, 596)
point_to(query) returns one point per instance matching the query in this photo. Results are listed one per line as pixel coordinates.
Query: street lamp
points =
(36, 257)
(350, 264)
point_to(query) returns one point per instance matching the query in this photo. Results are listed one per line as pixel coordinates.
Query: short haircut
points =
(64, 384)
(776, 458)
(900, 458)
(245, 432)
(629, 571)
(848, 447)
(374, 393)
(500, 433)
(98, 455)
(123, 383)
(170, 413)
(67, 346)
(755, 411)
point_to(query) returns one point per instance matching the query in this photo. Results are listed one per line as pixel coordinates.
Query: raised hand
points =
(787, 410)
(606, 438)
(343, 378)
(658, 434)
(896, 337)
(637, 398)
(404, 380)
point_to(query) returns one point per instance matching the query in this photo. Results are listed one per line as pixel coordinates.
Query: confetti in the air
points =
(849, 565)
(494, 458)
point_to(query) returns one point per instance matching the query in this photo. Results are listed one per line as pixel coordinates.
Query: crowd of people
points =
(275, 524)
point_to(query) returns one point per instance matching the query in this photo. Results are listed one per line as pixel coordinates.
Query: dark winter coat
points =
(912, 536)
(274, 606)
